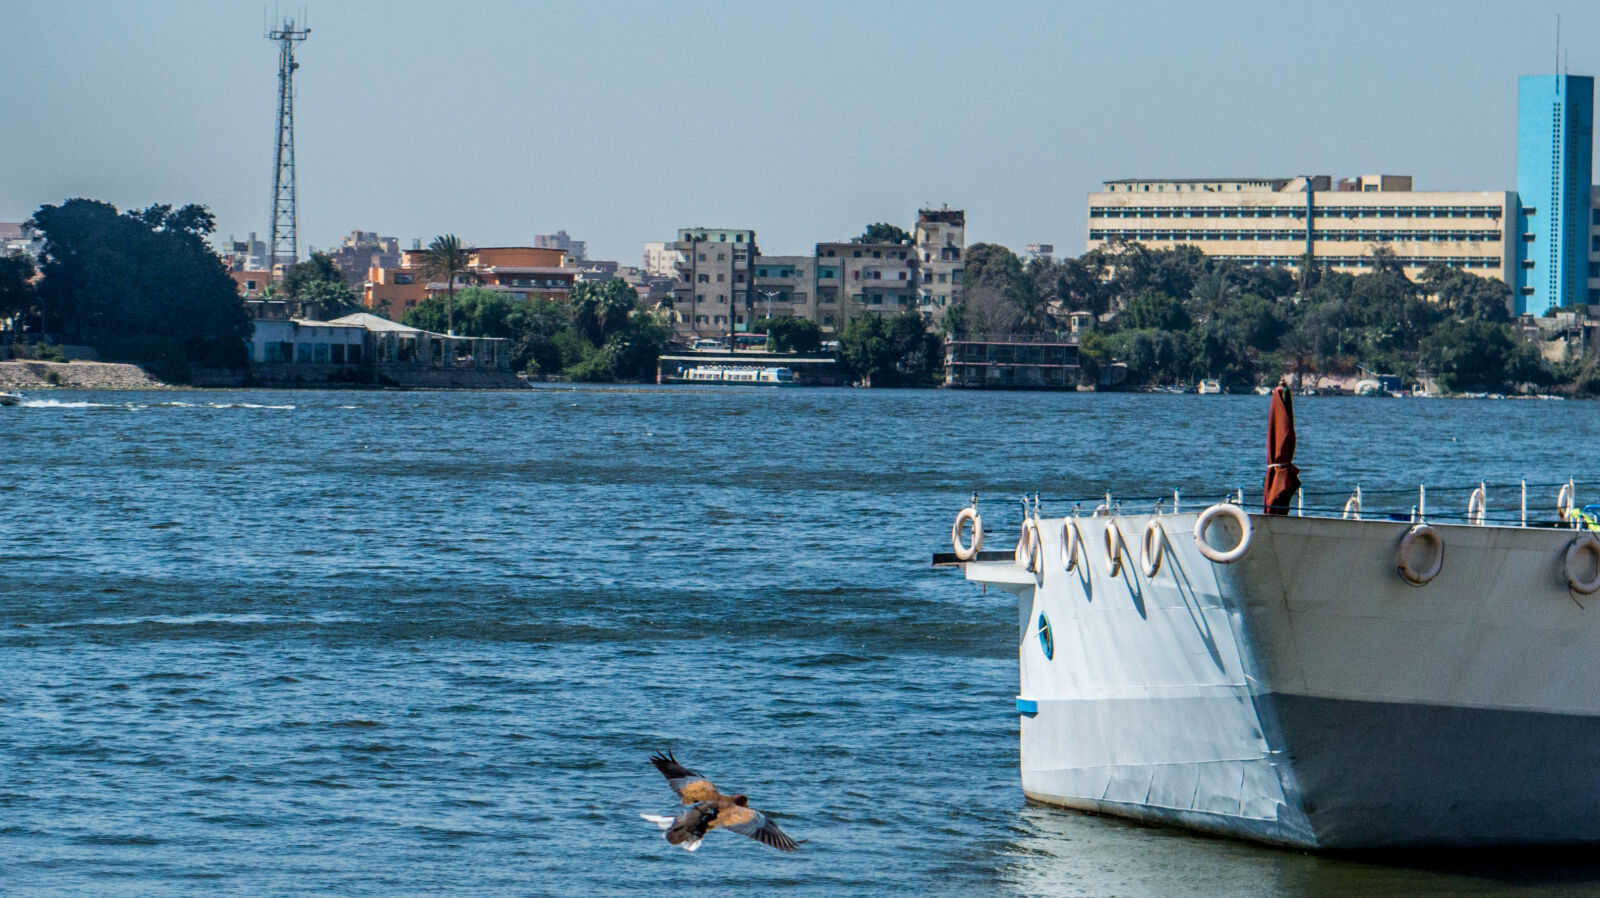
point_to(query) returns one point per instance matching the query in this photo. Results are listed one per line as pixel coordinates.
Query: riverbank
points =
(30, 375)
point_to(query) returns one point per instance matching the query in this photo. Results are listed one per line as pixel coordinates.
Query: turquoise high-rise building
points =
(1555, 151)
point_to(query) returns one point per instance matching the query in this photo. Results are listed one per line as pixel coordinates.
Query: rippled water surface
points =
(359, 643)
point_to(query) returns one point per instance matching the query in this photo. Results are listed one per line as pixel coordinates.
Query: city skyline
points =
(622, 123)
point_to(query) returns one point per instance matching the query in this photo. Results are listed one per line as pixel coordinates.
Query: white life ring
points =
(1407, 572)
(1585, 543)
(1477, 507)
(1203, 523)
(1029, 547)
(1352, 508)
(964, 552)
(1564, 501)
(1114, 546)
(1071, 543)
(1152, 548)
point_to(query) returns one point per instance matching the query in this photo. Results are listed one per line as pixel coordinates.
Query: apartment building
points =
(855, 279)
(713, 294)
(1277, 221)
(521, 272)
(786, 286)
(941, 238)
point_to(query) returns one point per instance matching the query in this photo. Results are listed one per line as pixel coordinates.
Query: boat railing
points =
(1544, 504)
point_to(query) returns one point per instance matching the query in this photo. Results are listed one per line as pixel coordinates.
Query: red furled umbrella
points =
(1283, 478)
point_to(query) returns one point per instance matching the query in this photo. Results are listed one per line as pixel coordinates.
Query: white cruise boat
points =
(746, 375)
(1322, 682)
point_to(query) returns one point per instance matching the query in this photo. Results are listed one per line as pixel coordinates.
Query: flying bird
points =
(709, 809)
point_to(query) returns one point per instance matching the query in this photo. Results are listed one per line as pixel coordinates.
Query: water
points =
(355, 643)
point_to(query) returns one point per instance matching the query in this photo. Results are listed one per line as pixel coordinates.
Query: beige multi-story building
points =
(713, 294)
(855, 279)
(941, 238)
(786, 285)
(1277, 221)
(661, 260)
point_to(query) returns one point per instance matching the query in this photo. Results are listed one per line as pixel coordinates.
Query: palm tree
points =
(446, 258)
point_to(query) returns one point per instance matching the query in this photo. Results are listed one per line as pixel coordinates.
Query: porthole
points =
(1046, 641)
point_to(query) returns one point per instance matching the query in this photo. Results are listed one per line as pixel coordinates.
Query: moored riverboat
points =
(742, 375)
(1320, 677)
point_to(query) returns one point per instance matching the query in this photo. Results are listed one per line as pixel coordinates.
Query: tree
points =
(883, 232)
(789, 334)
(478, 312)
(446, 258)
(601, 309)
(889, 352)
(142, 286)
(1481, 356)
(16, 289)
(318, 281)
(1154, 310)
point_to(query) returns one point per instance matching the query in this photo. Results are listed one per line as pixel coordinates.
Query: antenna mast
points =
(285, 246)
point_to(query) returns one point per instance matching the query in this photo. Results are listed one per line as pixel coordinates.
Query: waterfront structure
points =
(1278, 221)
(364, 348)
(1555, 149)
(1015, 363)
(712, 294)
(941, 239)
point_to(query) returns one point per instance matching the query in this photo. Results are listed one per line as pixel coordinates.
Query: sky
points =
(622, 122)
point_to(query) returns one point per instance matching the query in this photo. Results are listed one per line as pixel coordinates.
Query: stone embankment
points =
(75, 376)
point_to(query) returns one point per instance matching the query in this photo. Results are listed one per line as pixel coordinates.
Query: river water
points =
(349, 643)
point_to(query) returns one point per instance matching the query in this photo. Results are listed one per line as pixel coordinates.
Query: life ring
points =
(1152, 548)
(1564, 501)
(1477, 507)
(1352, 508)
(1071, 543)
(1029, 545)
(964, 552)
(1114, 546)
(1203, 523)
(1407, 572)
(1585, 543)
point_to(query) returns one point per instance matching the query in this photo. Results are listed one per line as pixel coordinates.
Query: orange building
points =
(523, 272)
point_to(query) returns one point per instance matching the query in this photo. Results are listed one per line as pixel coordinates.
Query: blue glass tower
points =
(1555, 152)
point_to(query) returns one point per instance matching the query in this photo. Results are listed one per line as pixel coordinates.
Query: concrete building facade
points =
(1555, 150)
(855, 279)
(786, 285)
(941, 238)
(713, 292)
(1277, 221)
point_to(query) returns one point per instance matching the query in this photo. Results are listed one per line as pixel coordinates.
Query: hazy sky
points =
(622, 122)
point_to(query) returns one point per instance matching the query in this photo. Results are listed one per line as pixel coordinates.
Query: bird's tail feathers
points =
(658, 820)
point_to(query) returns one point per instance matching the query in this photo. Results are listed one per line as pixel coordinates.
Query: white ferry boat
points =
(1321, 681)
(746, 375)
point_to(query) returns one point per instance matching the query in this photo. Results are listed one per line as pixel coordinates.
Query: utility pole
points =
(285, 246)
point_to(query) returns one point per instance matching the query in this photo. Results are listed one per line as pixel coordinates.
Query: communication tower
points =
(285, 246)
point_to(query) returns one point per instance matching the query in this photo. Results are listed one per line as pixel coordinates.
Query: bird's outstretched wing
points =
(689, 786)
(750, 822)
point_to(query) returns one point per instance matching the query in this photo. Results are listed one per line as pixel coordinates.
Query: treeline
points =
(601, 333)
(1178, 316)
(141, 286)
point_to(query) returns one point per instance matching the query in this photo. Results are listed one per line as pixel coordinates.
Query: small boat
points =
(9, 398)
(1210, 387)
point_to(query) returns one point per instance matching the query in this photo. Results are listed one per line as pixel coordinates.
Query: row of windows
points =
(876, 254)
(1286, 234)
(1492, 212)
(1366, 261)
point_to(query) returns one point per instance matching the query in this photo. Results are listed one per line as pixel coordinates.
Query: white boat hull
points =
(1307, 695)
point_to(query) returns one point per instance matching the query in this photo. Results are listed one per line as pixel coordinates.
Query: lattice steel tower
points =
(285, 246)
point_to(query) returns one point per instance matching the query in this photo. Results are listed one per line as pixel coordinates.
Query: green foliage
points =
(1154, 310)
(317, 280)
(891, 352)
(787, 333)
(883, 232)
(478, 313)
(601, 309)
(16, 291)
(140, 279)
(445, 259)
(1481, 356)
